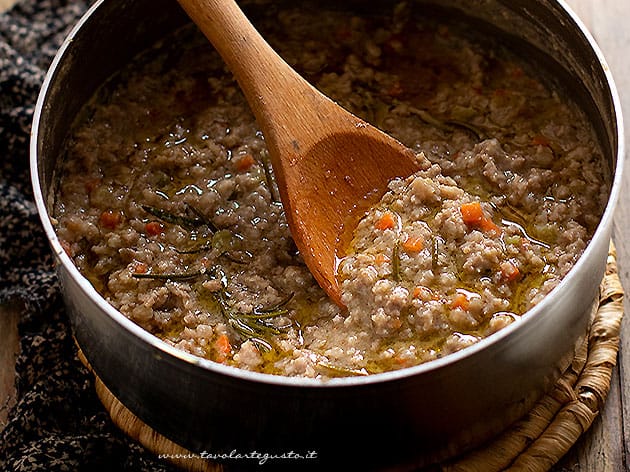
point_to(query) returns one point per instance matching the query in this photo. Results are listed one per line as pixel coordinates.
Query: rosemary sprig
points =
(183, 221)
(226, 243)
(250, 326)
(275, 310)
(188, 222)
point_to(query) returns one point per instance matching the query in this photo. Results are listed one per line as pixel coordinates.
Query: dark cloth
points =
(58, 423)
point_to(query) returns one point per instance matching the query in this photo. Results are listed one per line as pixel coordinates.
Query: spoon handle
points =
(284, 103)
(329, 164)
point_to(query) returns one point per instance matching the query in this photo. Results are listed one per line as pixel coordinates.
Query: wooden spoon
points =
(329, 164)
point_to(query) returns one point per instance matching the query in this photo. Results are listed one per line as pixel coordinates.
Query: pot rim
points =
(302, 382)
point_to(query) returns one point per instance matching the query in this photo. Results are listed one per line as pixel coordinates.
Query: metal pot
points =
(417, 415)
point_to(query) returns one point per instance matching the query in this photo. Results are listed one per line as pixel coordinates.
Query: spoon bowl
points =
(329, 164)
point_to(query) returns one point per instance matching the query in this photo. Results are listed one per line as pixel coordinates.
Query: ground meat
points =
(167, 201)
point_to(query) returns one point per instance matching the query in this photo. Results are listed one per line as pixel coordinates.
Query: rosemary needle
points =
(435, 248)
(183, 221)
(211, 226)
(448, 125)
(271, 184)
(166, 276)
(396, 261)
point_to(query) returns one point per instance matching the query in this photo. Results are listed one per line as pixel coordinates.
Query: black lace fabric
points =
(58, 423)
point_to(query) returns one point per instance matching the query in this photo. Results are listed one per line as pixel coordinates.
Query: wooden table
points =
(604, 448)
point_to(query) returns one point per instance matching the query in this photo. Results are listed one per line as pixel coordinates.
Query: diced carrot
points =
(472, 214)
(395, 90)
(140, 268)
(223, 347)
(401, 360)
(386, 221)
(110, 219)
(67, 247)
(489, 226)
(510, 271)
(245, 163)
(424, 293)
(525, 244)
(540, 140)
(223, 344)
(154, 228)
(460, 301)
(413, 244)
(381, 259)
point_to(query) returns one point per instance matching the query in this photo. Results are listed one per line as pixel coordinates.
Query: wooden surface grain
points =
(604, 447)
(9, 345)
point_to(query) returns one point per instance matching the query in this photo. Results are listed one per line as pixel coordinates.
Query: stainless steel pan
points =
(416, 415)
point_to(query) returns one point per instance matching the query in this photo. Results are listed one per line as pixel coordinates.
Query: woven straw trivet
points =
(534, 443)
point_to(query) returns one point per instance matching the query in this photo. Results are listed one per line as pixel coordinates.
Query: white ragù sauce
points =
(167, 201)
